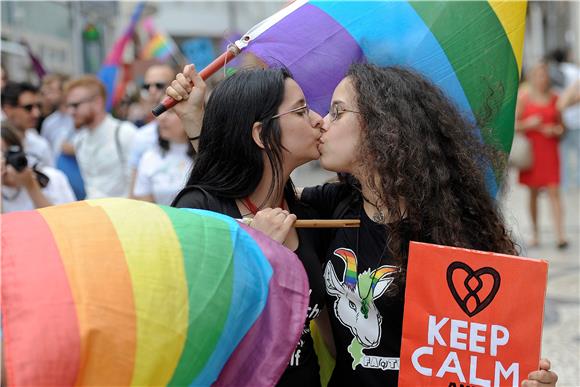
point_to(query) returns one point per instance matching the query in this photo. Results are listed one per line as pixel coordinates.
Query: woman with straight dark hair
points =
(256, 129)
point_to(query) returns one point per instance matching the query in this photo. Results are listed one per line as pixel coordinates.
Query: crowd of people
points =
(71, 148)
(408, 166)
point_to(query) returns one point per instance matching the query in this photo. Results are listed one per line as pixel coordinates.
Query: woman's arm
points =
(27, 180)
(570, 96)
(528, 123)
(189, 88)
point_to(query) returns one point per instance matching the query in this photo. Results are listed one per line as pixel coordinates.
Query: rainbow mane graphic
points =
(116, 292)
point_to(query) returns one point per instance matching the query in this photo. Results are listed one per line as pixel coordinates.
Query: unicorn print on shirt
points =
(354, 306)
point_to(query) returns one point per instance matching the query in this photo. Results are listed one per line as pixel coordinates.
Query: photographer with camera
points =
(21, 104)
(24, 186)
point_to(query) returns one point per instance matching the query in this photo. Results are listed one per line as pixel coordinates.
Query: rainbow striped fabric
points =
(115, 292)
(157, 48)
(471, 49)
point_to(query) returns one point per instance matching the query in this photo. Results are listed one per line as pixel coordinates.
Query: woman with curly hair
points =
(415, 174)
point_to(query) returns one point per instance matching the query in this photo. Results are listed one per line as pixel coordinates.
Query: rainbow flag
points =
(471, 49)
(158, 46)
(116, 292)
(113, 76)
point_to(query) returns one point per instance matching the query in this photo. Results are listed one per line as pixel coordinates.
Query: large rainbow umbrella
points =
(471, 49)
(115, 292)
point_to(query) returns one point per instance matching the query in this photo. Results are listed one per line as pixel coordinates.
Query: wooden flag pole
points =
(317, 223)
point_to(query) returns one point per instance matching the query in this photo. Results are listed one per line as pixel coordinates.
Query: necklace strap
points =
(378, 216)
(253, 208)
(250, 205)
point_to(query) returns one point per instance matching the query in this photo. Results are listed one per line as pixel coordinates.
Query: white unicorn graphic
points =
(354, 305)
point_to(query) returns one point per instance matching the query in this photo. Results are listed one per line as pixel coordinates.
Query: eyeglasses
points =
(75, 105)
(157, 85)
(302, 110)
(30, 106)
(336, 112)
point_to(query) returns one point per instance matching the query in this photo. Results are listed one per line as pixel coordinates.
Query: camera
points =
(16, 157)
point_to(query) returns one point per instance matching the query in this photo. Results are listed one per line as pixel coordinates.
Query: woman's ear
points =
(256, 131)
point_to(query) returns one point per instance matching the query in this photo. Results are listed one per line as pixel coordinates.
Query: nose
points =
(325, 123)
(315, 119)
(36, 112)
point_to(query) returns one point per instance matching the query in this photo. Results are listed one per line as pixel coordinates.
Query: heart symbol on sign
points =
(478, 277)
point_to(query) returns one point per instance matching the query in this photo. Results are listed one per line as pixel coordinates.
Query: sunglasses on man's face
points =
(157, 85)
(30, 106)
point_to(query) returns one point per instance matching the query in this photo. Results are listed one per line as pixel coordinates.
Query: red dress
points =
(545, 169)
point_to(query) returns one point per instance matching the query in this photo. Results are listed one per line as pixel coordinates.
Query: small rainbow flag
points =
(116, 292)
(158, 47)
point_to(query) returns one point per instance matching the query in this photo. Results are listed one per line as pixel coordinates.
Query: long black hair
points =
(164, 145)
(229, 164)
(426, 153)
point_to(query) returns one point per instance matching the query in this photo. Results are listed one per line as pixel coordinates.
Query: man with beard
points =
(102, 143)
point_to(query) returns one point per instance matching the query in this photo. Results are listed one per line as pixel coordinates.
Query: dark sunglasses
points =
(157, 85)
(28, 107)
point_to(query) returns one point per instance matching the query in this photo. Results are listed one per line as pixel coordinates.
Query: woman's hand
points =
(532, 121)
(552, 130)
(274, 222)
(541, 378)
(25, 178)
(189, 88)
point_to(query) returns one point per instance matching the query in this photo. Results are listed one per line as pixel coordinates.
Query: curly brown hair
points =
(430, 156)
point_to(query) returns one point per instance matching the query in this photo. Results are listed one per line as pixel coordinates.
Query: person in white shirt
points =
(156, 80)
(569, 106)
(59, 130)
(163, 169)
(21, 188)
(21, 104)
(103, 142)
(58, 127)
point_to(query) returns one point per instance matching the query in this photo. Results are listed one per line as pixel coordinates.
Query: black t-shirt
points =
(303, 369)
(366, 320)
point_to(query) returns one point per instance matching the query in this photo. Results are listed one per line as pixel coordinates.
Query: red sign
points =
(471, 318)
